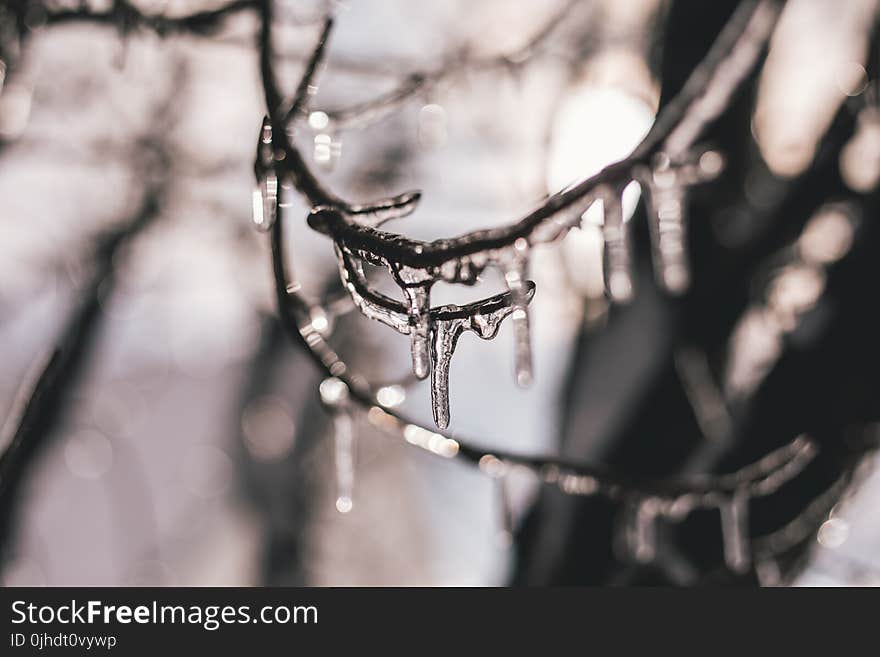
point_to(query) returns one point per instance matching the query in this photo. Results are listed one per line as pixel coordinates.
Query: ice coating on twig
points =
(377, 213)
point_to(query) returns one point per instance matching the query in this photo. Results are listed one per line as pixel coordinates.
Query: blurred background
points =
(181, 441)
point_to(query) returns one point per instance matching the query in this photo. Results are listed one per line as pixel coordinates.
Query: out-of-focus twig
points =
(42, 396)
(365, 113)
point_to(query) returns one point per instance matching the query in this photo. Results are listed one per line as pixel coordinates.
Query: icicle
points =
(420, 328)
(334, 393)
(505, 509)
(644, 531)
(668, 185)
(343, 440)
(265, 195)
(618, 280)
(265, 203)
(669, 246)
(483, 318)
(445, 337)
(514, 275)
(637, 530)
(416, 285)
(735, 531)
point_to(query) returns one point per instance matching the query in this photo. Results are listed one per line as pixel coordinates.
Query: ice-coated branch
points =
(679, 496)
(359, 242)
(707, 92)
(416, 265)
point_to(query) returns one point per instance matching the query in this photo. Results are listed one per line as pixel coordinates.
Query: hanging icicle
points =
(668, 184)
(669, 249)
(445, 337)
(335, 395)
(615, 231)
(515, 268)
(505, 511)
(265, 195)
(483, 318)
(343, 437)
(416, 285)
(735, 531)
(637, 529)
(420, 329)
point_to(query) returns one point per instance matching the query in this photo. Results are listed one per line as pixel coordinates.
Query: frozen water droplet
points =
(319, 120)
(333, 391)
(514, 276)
(343, 439)
(618, 279)
(735, 531)
(391, 396)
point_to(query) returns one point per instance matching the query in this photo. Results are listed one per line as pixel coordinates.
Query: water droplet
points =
(318, 120)
(391, 396)
(833, 533)
(333, 391)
